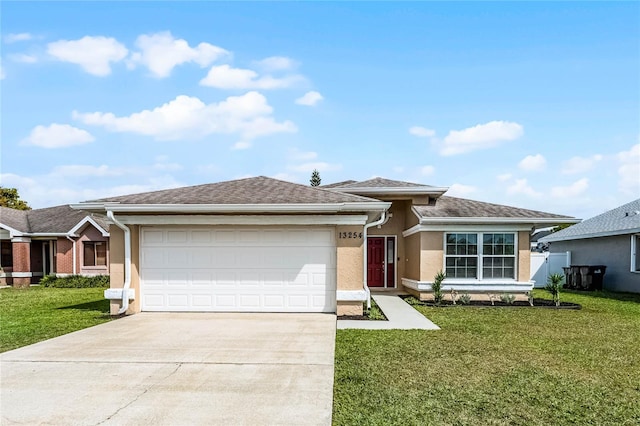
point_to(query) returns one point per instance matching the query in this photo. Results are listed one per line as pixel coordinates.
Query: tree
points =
(554, 284)
(9, 198)
(315, 178)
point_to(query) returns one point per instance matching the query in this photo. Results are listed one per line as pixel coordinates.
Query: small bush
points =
(437, 287)
(76, 281)
(507, 298)
(464, 299)
(554, 284)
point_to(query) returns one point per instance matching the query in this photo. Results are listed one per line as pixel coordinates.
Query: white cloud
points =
(12, 38)
(522, 187)
(310, 98)
(77, 170)
(161, 52)
(504, 177)
(570, 191)
(533, 163)
(93, 54)
(71, 184)
(577, 165)
(460, 190)
(2, 74)
(422, 132)
(225, 77)
(285, 176)
(163, 163)
(479, 137)
(24, 58)
(240, 145)
(427, 170)
(277, 63)
(303, 156)
(186, 117)
(629, 170)
(57, 136)
(311, 166)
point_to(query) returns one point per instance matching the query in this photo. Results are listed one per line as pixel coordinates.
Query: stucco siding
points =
(412, 257)
(431, 254)
(524, 256)
(349, 259)
(613, 252)
(116, 264)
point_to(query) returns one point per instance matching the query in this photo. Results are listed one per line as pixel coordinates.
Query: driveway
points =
(176, 369)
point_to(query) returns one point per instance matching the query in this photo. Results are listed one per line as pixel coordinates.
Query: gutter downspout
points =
(381, 221)
(74, 253)
(127, 262)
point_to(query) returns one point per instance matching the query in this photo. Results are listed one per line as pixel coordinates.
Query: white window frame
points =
(635, 247)
(480, 256)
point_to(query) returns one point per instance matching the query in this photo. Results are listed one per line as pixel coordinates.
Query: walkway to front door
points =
(381, 256)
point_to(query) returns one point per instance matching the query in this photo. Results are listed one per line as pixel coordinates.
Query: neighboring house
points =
(611, 239)
(56, 240)
(261, 244)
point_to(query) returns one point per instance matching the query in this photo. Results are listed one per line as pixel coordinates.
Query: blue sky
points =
(535, 105)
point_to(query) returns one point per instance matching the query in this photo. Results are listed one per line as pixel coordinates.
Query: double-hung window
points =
(95, 254)
(480, 255)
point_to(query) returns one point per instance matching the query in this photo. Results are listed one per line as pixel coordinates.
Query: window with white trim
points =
(480, 255)
(635, 253)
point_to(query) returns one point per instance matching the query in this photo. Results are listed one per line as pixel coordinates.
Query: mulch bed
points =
(537, 303)
(359, 318)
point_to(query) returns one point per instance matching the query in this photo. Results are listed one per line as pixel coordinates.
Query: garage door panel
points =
(258, 269)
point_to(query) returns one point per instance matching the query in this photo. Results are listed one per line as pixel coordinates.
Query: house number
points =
(349, 234)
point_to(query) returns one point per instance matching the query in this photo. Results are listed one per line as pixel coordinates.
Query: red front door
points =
(375, 262)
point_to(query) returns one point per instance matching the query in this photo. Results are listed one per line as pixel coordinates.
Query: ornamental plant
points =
(438, 296)
(554, 284)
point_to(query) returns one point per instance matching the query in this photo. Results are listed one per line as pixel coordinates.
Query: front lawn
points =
(30, 315)
(497, 366)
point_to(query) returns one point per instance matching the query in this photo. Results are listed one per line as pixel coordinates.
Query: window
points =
(6, 254)
(95, 254)
(496, 252)
(635, 253)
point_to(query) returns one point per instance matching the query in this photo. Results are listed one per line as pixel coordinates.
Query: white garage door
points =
(251, 269)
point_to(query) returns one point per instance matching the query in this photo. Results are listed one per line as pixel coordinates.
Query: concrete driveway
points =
(176, 369)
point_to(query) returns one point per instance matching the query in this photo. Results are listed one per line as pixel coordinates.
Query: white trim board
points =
(466, 228)
(243, 220)
(472, 286)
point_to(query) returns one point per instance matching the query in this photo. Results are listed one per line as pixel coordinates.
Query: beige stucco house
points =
(261, 244)
(54, 240)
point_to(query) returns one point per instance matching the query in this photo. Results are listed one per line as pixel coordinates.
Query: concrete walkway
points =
(400, 314)
(176, 369)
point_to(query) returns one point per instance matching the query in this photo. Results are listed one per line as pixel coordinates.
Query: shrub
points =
(554, 284)
(437, 287)
(507, 298)
(76, 281)
(464, 298)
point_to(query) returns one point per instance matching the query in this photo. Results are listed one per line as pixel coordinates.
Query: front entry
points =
(381, 254)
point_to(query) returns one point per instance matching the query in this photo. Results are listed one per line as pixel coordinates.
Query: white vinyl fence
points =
(545, 264)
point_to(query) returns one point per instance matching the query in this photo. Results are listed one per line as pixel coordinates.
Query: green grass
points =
(497, 366)
(30, 315)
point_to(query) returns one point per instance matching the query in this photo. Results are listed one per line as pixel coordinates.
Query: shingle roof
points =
(621, 220)
(51, 220)
(337, 184)
(257, 190)
(15, 219)
(451, 207)
(379, 182)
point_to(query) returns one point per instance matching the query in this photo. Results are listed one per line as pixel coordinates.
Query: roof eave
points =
(393, 191)
(235, 208)
(555, 238)
(498, 220)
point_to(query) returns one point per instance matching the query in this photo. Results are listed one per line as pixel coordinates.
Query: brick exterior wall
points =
(21, 263)
(64, 256)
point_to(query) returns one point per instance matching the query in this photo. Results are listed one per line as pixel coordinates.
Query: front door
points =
(381, 254)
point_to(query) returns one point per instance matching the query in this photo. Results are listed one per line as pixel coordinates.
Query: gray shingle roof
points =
(256, 190)
(379, 182)
(452, 207)
(15, 219)
(337, 184)
(619, 221)
(51, 220)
